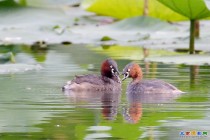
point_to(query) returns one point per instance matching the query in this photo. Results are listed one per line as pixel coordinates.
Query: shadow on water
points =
(34, 107)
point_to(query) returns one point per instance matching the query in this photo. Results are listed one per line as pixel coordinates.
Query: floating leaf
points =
(28, 25)
(136, 30)
(129, 52)
(49, 3)
(18, 68)
(5, 57)
(106, 38)
(19, 25)
(142, 23)
(182, 59)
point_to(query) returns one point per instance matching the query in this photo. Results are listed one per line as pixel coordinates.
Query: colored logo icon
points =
(187, 133)
(193, 133)
(182, 133)
(199, 133)
(205, 133)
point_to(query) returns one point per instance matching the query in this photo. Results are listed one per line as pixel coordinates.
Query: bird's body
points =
(107, 81)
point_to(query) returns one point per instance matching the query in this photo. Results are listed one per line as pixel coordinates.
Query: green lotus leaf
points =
(193, 9)
(130, 8)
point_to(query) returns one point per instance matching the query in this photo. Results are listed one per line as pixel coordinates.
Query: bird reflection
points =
(106, 100)
(110, 102)
(134, 111)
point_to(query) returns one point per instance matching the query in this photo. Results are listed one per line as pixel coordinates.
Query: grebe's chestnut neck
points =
(134, 71)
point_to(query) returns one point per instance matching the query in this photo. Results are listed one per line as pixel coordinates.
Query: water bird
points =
(138, 85)
(108, 80)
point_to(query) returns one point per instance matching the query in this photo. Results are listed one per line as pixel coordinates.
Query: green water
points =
(33, 106)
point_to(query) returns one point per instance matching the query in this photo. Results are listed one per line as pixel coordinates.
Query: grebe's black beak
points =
(126, 75)
(116, 74)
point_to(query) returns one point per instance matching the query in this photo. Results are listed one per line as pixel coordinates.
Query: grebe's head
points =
(109, 69)
(132, 70)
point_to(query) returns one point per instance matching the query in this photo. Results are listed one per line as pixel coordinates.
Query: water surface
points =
(33, 106)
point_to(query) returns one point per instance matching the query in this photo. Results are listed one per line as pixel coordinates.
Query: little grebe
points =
(108, 81)
(138, 85)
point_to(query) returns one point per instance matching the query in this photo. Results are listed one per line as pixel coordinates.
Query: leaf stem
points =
(192, 36)
(197, 29)
(146, 8)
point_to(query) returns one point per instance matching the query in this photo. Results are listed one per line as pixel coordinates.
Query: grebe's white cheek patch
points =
(112, 71)
(127, 74)
(66, 87)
